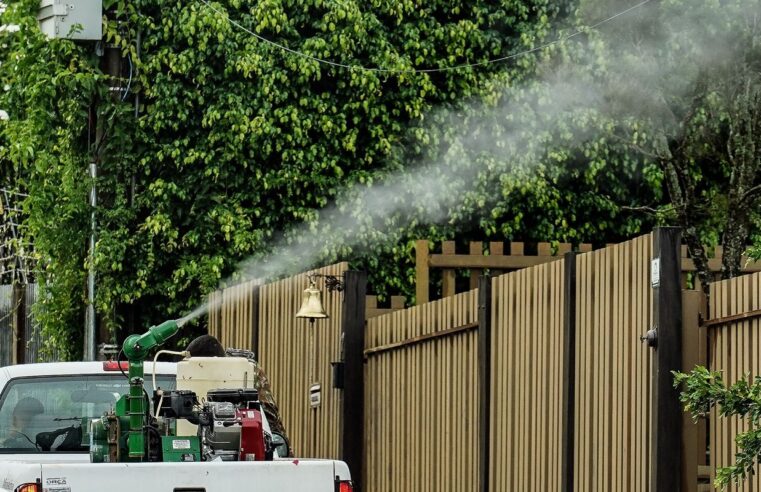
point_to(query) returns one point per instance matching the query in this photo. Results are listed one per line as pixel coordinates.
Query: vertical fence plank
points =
(541, 419)
(579, 428)
(692, 333)
(476, 248)
(421, 271)
(628, 374)
(448, 276)
(606, 390)
(754, 366)
(598, 339)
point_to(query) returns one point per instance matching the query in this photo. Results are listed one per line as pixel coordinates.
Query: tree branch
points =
(637, 148)
(751, 195)
(647, 209)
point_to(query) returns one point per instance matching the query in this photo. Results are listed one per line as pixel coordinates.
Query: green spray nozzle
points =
(136, 347)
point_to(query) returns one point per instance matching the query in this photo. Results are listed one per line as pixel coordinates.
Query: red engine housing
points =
(251, 435)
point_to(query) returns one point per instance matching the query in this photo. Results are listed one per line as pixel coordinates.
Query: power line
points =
(422, 70)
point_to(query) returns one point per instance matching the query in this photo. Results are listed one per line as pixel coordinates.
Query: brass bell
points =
(311, 305)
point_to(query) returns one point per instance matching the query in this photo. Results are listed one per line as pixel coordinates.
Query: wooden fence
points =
(421, 398)
(295, 355)
(480, 257)
(734, 342)
(7, 326)
(21, 339)
(537, 380)
(571, 388)
(498, 257)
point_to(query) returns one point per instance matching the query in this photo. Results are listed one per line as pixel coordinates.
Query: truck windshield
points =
(52, 414)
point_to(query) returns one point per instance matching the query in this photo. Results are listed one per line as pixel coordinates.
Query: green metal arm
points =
(136, 348)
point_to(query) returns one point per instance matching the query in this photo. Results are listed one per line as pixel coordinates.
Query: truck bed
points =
(273, 476)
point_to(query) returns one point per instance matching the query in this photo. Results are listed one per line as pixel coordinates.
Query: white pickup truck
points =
(45, 449)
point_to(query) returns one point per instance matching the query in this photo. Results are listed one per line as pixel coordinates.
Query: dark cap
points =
(28, 407)
(206, 346)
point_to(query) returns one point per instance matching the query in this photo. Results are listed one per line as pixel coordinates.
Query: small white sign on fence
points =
(655, 272)
(315, 395)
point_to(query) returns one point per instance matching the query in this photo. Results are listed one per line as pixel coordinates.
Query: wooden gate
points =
(421, 398)
(535, 381)
(614, 306)
(527, 356)
(734, 348)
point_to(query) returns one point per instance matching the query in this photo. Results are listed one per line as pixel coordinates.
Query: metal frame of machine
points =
(230, 422)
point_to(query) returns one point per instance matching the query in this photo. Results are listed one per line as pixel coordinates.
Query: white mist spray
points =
(637, 82)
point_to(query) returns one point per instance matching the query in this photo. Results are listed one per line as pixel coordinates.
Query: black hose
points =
(148, 441)
(153, 429)
(119, 363)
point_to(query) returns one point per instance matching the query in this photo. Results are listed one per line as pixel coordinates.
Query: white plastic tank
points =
(202, 374)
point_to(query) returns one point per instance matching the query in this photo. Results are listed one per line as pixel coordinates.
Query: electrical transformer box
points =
(71, 19)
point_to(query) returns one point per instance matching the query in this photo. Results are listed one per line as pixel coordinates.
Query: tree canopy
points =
(236, 144)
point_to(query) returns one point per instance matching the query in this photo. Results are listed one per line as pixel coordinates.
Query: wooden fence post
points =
(448, 275)
(353, 404)
(255, 291)
(476, 249)
(666, 435)
(421, 272)
(484, 376)
(569, 374)
(18, 305)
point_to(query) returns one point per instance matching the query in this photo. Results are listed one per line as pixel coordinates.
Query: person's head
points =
(206, 346)
(25, 410)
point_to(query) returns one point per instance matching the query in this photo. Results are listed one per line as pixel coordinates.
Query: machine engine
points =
(231, 428)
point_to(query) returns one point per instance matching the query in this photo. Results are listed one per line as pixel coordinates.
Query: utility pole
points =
(56, 20)
(112, 68)
(89, 348)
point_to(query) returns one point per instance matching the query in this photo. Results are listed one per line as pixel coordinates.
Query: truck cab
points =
(45, 408)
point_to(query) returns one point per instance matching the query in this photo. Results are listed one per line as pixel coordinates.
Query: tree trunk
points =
(680, 190)
(744, 132)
